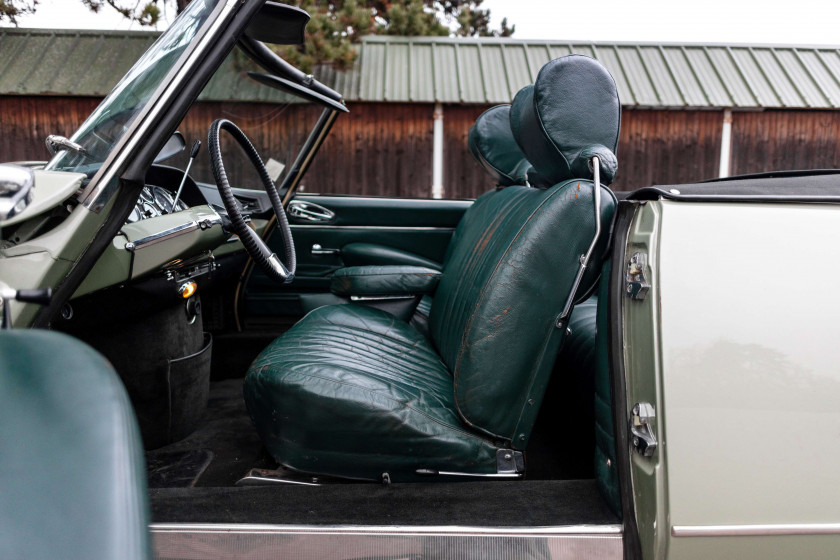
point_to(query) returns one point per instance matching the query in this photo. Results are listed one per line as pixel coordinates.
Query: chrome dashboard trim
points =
(205, 223)
(162, 236)
(755, 530)
(96, 196)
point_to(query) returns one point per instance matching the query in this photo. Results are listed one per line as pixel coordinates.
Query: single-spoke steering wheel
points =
(255, 246)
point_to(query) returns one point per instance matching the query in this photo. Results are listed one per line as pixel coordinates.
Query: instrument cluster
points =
(153, 202)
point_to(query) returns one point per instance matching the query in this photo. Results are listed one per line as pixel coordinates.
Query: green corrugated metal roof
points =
(491, 70)
(456, 70)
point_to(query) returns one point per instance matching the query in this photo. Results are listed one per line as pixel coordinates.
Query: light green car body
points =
(736, 347)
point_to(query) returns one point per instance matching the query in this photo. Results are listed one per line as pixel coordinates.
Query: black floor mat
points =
(176, 469)
(228, 434)
(518, 503)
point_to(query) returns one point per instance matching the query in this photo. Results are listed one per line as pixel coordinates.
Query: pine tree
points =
(11, 10)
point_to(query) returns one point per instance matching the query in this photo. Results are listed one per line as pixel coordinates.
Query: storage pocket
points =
(188, 379)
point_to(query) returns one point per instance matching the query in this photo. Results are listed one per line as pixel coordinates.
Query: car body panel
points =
(47, 259)
(642, 366)
(742, 339)
(51, 189)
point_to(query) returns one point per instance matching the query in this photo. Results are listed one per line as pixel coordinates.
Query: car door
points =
(731, 389)
(333, 231)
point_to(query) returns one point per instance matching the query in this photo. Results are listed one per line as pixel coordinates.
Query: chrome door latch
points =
(641, 428)
(309, 211)
(637, 285)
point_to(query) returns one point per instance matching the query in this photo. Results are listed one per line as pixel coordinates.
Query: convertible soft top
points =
(798, 186)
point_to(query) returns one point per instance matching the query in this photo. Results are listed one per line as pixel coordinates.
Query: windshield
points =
(108, 123)
(276, 122)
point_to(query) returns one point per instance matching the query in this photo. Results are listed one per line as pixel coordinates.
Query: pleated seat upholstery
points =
(385, 388)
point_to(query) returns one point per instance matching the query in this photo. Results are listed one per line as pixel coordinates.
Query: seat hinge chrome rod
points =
(434, 472)
(584, 259)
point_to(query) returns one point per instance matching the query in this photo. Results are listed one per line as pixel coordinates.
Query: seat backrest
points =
(492, 144)
(495, 315)
(72, 475)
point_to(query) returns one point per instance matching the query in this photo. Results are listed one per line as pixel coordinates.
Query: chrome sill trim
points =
(386, 228)
(164, 235)
(755, 530)
(383, 530)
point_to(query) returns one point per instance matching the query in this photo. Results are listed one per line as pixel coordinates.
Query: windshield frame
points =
(102, 185)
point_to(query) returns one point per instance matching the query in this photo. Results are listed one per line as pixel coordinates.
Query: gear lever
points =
(193, 154)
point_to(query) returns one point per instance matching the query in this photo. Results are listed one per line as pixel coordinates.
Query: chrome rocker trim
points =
(755, 530)
(176, 540)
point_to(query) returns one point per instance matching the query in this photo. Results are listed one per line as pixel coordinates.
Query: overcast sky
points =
(708, 21)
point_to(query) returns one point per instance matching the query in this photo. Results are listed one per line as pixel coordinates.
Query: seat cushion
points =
(354, 392)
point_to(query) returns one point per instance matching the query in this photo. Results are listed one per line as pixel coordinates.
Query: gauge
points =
(163, 199)
(149, 210)
(147, 196)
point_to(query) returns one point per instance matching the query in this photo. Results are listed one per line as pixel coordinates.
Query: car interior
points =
(363, 360)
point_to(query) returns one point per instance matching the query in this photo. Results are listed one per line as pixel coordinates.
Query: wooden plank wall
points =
(781, 140)
(375, 150)
(462, 176)
(386, 149)
(25, 122)
(667, 147)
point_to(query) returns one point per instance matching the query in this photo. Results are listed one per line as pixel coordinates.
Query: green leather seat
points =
(354, 392)
(72, 474)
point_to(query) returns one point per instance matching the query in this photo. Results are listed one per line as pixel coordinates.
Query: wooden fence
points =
(386, 149)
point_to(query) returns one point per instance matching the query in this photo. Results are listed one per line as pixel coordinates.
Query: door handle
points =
(318, 250)
(309, 211)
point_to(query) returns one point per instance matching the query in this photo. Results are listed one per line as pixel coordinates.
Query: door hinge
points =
(636, 283)
(641, 428)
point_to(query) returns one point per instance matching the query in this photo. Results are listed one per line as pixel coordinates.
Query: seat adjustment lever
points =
(509, 464)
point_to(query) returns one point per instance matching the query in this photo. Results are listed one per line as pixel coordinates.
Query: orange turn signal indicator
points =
(187, 289)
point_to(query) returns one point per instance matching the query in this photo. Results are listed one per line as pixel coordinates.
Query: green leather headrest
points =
(492, 144)
(571, 113)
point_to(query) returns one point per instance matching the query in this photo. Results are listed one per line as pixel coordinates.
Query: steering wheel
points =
(255, 246)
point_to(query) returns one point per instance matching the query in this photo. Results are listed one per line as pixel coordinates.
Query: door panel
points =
(361, 230)
(366, 254)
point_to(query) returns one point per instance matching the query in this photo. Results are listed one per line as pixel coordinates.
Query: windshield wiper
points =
(56, 143)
